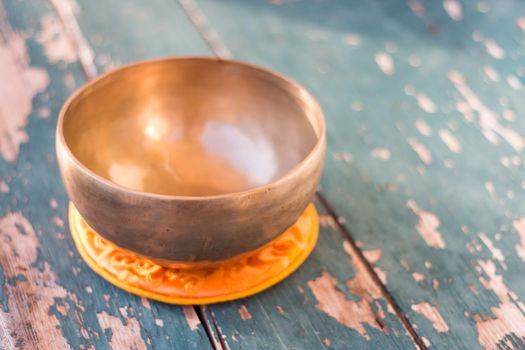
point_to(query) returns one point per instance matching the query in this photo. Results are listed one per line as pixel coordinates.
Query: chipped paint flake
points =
(382, 274)
(448, 163)
(56, 44)
(491, 73)
(496, 253)
(343, 156)
(350, 313)
(373, 256)
(385, 62)
(418, 276)
(488, 119)
(432, 314)
(53, 203)
(477, 36)
(425, 103)
(494, 49)
(381, 153)
(352, 39)
(58, 221)
(453, 9)
(327, 221)
(362, 283)
(145, 303)
(450, 140)
(473, 289)
(191, 317)
(519, 225)
(489, 186)
(467, 112)
(17, 96)
(520, 22)
(404, 264)
(245, 314)
(427, 226)
(417, 8)
(423, 153)
(43, 112)
(509, 317)
(123, 336)
(514, 82)
(61, 309)
(3, 187)
(509, 115)
(357, 106)
(423, 127)
(69, 80)
(483, 7)
(30, 301)
(414, 61)
(505, 161)
(427, 342)
(280, 310)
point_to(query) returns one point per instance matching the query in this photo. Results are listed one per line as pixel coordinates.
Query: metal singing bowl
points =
(187, 160)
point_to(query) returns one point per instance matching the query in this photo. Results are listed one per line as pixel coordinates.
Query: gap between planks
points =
(347, 236)
(211, 328)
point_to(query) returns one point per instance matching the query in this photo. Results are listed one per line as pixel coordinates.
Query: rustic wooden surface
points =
(423, 221)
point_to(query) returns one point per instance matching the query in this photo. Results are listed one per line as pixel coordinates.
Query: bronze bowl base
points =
(227, 280)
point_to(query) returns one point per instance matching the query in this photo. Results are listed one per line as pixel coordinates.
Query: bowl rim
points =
(301, 93)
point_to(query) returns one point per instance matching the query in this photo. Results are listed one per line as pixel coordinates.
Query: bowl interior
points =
(190, 127)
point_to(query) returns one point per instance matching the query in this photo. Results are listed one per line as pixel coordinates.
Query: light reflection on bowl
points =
(191, 159)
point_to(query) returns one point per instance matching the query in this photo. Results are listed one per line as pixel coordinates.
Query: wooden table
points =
(422, 200)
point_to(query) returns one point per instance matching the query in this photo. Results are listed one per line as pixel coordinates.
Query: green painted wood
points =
(49, 298)
(290, 315)
(424, 106)
(134, 30)
(329, 302)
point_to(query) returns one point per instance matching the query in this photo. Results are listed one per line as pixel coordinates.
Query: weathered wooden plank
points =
(50, 299)
(133, 30)
(330, 302)
(374, 326)
(423, 103)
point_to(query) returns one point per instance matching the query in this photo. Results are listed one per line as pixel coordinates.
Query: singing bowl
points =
(193, 159)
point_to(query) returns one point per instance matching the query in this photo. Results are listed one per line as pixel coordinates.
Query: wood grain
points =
(437, 88)
(330, 302)
(50, 299)
(377, 324)
(423, 103)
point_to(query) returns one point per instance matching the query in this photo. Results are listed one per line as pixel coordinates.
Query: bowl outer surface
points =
(195, 229)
